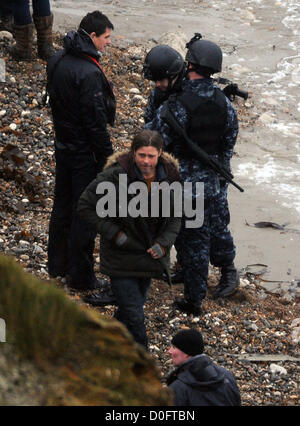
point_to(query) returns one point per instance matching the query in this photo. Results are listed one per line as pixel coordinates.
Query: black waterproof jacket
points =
(200, 382)
(131, 259)
(81, 98)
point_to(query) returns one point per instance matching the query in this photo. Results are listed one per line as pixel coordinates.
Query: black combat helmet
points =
(162, 62)
(206, 54)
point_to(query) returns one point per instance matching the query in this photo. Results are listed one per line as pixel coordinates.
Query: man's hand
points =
(156, 251)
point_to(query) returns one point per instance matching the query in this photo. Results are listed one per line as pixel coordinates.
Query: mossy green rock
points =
(60, 353)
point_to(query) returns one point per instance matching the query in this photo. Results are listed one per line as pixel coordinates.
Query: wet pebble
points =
(277, 370)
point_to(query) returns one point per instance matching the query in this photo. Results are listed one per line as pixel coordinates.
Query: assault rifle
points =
(232, 89)
(168, 117)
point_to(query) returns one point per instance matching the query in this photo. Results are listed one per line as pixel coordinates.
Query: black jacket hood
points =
(201, 382)
(201, 373)
(80, 43)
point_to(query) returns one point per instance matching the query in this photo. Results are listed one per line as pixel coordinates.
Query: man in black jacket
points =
(82, 103)
(197, 380)
(135, 240)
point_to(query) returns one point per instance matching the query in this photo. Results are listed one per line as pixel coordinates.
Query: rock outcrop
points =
(59, 353)
(177, 40)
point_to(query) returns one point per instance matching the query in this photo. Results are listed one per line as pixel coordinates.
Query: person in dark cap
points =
(197, 380)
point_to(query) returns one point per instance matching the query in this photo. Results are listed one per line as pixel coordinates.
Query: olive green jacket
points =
(131, 259)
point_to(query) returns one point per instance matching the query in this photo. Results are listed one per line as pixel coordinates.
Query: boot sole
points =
(188, 310)
(99, 303)
(227, 294)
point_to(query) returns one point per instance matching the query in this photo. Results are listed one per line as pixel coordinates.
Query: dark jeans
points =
(22, 14)
(71, 240)
(131, 294)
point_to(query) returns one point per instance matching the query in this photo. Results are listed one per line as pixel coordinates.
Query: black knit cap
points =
(189, 341)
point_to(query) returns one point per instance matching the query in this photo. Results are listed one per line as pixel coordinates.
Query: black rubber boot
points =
(188, 307)
(98, 284)
(176, 277)
(229, 281)
(105, 297)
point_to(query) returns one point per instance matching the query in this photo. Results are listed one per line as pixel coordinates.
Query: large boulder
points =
(58, 352)
(177, 40)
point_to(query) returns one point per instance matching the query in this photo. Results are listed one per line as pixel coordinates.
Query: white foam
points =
(287, 129)
(287, 67)
(260, 174)
(293, 45)
(279, 180)
(279, 172)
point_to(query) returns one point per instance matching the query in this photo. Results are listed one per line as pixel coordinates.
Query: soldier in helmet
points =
(165, 66)
(211, 122)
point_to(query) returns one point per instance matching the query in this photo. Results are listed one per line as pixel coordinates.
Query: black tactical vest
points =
(207, 120)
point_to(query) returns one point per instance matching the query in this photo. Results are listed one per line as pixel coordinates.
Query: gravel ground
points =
(254, 333)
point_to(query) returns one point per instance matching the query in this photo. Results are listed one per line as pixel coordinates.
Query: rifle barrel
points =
(168, 116)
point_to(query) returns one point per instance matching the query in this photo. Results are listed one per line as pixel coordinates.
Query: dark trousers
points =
(21, 10)
(71, 240)
(131, 294)
(222, 248)
(196, 247)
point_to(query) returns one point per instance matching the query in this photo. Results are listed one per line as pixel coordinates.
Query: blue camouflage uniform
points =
(150, 109)
(155, 99)
(212, 242)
